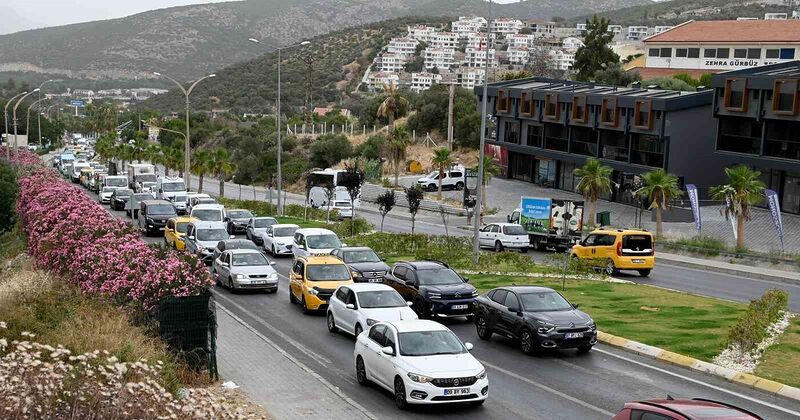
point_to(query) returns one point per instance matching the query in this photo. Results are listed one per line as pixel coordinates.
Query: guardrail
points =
(370, 193)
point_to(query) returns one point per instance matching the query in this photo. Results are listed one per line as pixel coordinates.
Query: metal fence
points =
(189, 326)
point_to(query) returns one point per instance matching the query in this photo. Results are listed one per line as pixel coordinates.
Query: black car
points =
(153, 215)
(237, 219)
(365, 265)
(538, 317)
(227, 244)
(119, 198)
(433, 287)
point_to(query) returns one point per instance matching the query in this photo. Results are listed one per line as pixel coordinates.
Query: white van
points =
(166, 187)
(314, 241)
(209, 212)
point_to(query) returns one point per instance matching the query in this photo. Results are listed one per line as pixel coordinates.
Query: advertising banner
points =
(535, 214)
(691, 191)
(732, 218)
(775, 210)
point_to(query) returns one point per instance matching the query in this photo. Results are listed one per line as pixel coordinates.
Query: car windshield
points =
(362, 255)
(212, 234)
(116, 182)
(637, 242)
(326, 272)
(181, 227)
(148, 184)
(161, 209)
(123, 193)
(544, 302)
(207, 215)
(108, 189)
(514, 230)
(433, 175)
(284, 232)
(173, 186)
(249, 259)
(323, 241)
(179, 198)
(438, 276)
(205, 200)
(240, 214)
(381, 299)
(266, 222)
(429, 343)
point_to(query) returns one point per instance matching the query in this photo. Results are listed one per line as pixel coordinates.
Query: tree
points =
(595, 180)
(442, 159)
(222, 167)
(595, 52)
(372, 148)
(669, 84)
(490, 169)
(202, 162)
(393, 105)
(399, 141)
(660, 188)
(514, 75)
(330, 194)
(386, 202)
(330, 149)
(540, 64)
(352, 181)
(414, 195)
(8, 196)
(743, 190)
(613, 74)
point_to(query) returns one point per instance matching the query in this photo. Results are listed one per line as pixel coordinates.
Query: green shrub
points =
(702, 244)
(330, 149)
(751, 328)
(8, 196)
(371, 149)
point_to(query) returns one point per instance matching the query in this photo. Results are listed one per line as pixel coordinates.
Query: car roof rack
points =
(729, 406)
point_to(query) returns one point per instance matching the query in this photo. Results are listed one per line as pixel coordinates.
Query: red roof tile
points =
(749, 31)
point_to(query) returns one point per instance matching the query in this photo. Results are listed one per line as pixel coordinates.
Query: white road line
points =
(698, 382)
(548, 389)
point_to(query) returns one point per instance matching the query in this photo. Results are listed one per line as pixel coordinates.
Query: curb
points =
(752, 381)
(762, 274)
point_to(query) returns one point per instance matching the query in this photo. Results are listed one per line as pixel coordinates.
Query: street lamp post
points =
(14, 116)
(38, 115)
(280, 148)
(5, 115)
(28, 121)
(186, 93)
(481, 153)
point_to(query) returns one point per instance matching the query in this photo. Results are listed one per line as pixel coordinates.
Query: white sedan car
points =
(278, 239)
(420, 362)
(354, 307)
(500, 236)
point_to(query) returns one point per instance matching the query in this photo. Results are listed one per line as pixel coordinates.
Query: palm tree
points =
(123, 152)
(442, 159)
(222, 167)
(660, 188)
(393, 106)
(490, 169)
(595, 180)
(743, 190)
(398, 142)
(153, 153)
(201, 164)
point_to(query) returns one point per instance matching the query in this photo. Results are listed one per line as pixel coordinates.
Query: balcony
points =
(782, 149)
(739, 144)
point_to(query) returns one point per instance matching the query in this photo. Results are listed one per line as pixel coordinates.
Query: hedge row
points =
(751, 329)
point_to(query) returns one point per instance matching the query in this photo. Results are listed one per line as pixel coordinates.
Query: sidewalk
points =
(273, 378)
(728, 268)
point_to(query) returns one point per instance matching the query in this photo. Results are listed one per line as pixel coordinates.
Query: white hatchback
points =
(314, 241)
(502, 236)
(420, 362)
(354, 307)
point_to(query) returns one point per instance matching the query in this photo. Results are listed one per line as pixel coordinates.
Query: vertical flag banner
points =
(732, 217)
(691, 191)
(775, 210)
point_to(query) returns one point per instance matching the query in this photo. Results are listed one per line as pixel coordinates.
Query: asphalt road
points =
(559, 384)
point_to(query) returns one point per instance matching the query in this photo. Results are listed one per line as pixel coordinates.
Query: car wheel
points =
(230, 285)
(539, 244)
(584, 349)
(433, 187)
(361, 372)
(400, 394)
(609, 269)
(459, 185)
(216, 278)
(332, 323)
(526, 341)
(498, 246)
(482, 327)
(272, 250)
(358, 330)
(292, 300)
(523, 250)
(304, 305)
(644, 273)
(421, 309)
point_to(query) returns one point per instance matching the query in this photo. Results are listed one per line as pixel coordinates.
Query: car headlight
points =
(544, 327)
(434, 295)
(371, 322)
(419, 378)
(475, 293)
(592, 326)
(273, 276)
(481, 375)
(313, 291)
(355, 273)
(240, 276)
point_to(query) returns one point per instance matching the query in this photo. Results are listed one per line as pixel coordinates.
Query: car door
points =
(298, 275)
(483, 235)
(586, 249)
(188, 240)
(386, 362)
(373, 356)
(493, 310)
(508, 318)
(604, 247)
(223, 266)
(350, 316)
(268, 237)
(249, 232)
(397, 278)
(336, 307)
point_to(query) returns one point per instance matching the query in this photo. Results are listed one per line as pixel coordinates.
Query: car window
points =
(511, 301)
(381, 299)
(327, 272)
(400, 272)
(500, 296)
(181, 226)
(438, 276)
(590, 240)
(455, 174)
(514, 230)
(323, 241)
(284, 231)
(544, 302)
(351, 297)
(605, 240)
(298, 238)
(341, 294)
(490, 293)
(360, 256)
(429, 343)
(389, 338)
(297, 267)
(376, 334)
(265, 222)
(637, 242)
(648, 415)
(250, 259)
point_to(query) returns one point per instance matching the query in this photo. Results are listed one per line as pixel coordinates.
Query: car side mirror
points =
(513, 309)
(575, 305)
(191, 237)
(383, 259)
(387, 351)
(301, 246)
(468, 346)
(409, 303)
(466, 279)
(344, 244)
(350, 306)
(272, 263)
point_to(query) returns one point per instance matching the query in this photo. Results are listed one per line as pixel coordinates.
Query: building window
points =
(647, 150)
(716, 53)
(643, 116)
(791, 193)
(583, 141)
(660, 52)
(609, 113)
(521, 166)
(754, 53)
(740, 53)
(740, 135)
(551, 108)
(666, 52)
(511, 132)
(783, 139)
(535, 135)
(787, 54)
(580, 113)
(735, 98)
(784, 97)
(772, 53)
(525, 104)
(556, 137)
(614, 145)
(694, 52)
(681, 52)
(653, 52)
(503, 101)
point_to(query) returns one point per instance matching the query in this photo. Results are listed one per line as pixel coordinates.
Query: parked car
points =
(313, 280)
(314, 241)
(672, 409)
(202, 237)
(209, 213)
(237, 219)
(354, 307)
(502, 236)
(453, 179)
(233, 243)
(257, 227)
(434, 288)
(618, 249)
(420, 362)
(153, 215)
(343, 208)
(134, 203)
(240, 269)
(119, 198)
(175, 231)
(537, 317)
(365, 265)
(278, 239)
(105, 194)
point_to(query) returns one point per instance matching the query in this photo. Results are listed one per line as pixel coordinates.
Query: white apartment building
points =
(390, 62)
(636, 33)
(383, 78)
(476, 58)
(468, 79)
(615, 29)
(424, 81)
(420, 32)
(466, 25)
(518, 56)
(541, 28)
(776, 16)
(561, 60)
(440, 58)
(505, 26)
(571, 44)
(520, 40)
(403, 46)
(581, 28)
(443, 40)
(83, 93)
(658, 29)
(476, 40)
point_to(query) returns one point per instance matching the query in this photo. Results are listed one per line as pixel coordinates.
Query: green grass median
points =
(781, 361)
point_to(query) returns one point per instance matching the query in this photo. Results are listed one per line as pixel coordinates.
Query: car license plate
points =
(456, 391)
(638, 261)
(376, 280)
(260, 282)
(161, 228)
(573, 335)
(456, 307)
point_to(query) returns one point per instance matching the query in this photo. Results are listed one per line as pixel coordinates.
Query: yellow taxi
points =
(618, 249)
(313, 280)
(175, 230)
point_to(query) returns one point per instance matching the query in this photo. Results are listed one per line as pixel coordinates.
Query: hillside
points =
(189, 41)
(679, 11)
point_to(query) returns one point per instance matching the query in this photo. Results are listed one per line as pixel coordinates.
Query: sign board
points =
(20, 139)
(76, 103)
(535, 214)
(471, 187)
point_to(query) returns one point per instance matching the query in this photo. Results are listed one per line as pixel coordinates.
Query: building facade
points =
(518, 56)
(424, 80)
(403, 46)
(540, 28)
(390, 62)
(443, 40)
(505, 26)
(476, 58)
(441, 58)
(469, 79)
(466, 25)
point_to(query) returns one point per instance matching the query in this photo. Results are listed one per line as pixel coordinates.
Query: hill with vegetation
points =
(189, 41)
(678, 11)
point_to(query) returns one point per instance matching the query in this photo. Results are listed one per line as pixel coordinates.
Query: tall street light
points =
(39, 115)
(14, 116)
(5, 115)
(28, 121)
(186, 93)
(280, 148)
(481, 151)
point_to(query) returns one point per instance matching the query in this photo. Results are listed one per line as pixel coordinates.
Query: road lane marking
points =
(699, 382)
(550, 390)
(298, 363)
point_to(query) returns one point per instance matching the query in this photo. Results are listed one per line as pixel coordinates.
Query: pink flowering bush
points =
(72, 235)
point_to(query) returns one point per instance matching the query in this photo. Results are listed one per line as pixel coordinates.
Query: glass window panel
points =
(754, 53)
(723, 52)
(740, 135)
(681, 52)
(613, 145)
(666, 52)
(740, 53)
(787, 54)
(709, 53)
(772, 53)
(694, 52)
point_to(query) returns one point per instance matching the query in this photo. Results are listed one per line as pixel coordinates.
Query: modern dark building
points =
(757, 111)
(547, 128)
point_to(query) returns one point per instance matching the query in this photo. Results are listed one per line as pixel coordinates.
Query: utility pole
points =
(450, 116)
(39, 115)
(5, 114)
(481, 151)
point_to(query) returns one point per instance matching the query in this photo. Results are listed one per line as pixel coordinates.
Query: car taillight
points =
(619, 248)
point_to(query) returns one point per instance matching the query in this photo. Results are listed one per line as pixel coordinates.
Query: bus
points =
(320, 179)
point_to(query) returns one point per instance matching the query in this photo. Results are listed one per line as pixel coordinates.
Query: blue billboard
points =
(535, 214)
